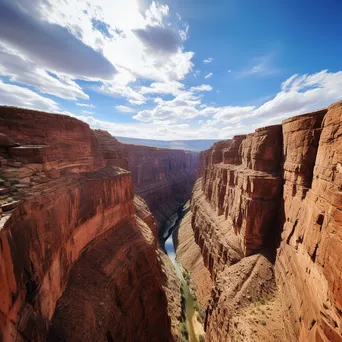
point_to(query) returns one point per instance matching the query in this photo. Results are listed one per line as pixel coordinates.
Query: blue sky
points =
(180, 69)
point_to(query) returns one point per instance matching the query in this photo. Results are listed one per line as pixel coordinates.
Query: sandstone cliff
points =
(309, 259)
(266, 217)
(164, 178)
(78, 255)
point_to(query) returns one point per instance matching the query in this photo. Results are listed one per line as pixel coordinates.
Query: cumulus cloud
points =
(174, 88)
(187, 106)
(208, 60)
(125, 109)
(50, 46)
(146, 43)
(13, 95)
(202, 87)
(159, 39)
(302, 93)
(208, 75)
(298, 94)
(128, 92)
(186, 117)
(20, 70)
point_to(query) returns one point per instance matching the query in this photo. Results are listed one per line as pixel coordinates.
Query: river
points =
(189, 310)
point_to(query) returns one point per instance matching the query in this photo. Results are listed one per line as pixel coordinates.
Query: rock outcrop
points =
(164, 178)
(266, 215)
(79, 257)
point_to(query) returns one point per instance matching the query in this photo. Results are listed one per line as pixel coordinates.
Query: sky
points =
(176, 69)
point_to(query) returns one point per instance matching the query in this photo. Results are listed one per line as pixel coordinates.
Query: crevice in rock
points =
(109, 337)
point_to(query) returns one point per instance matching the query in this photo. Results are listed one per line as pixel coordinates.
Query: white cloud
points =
(298, 94)
(87, 112)
(20, 70)
(166, 130)
(208, 75)
(187, 106)
(128, 92)
(49, 45)
(303, 93)
(173, 88)
(111, 127)
(148, 45)
(88, 105)
(185, 117)
(125, 109)
(13, 95)
(208, 60)
(202, 87)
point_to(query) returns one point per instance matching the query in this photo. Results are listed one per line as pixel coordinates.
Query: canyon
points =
(84, 219)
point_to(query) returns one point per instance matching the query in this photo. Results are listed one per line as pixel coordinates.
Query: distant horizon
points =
(117, 136)
(194, 145)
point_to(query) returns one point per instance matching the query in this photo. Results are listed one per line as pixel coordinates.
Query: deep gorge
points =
(82, 254)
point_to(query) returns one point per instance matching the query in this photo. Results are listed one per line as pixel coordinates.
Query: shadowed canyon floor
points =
(84, 219)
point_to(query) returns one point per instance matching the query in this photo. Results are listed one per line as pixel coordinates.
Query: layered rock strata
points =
(79, 258)
(113, 151)
(266, 217)
(164, 178)
(114, 290)
(309, 259)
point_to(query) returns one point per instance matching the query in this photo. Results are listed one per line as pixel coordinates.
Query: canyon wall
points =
(266, 216)
(164, 178)
(309, 259)
(79, 257)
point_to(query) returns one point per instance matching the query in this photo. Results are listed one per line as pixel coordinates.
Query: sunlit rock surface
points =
(266, 215)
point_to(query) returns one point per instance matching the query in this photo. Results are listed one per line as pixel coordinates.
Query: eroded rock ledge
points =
(79, 257)
(266, 216)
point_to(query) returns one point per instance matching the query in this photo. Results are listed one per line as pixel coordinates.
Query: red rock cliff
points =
(78, 256)
(163, 177)
(309, 259)
(283, 179)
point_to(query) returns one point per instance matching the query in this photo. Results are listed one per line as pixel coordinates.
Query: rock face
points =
(113, 151)
(54, 141)
(190, 257)
(118, 294)
(234, 210)
(78, 254)
(266, 216)
(163, 178)
(309, 259)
